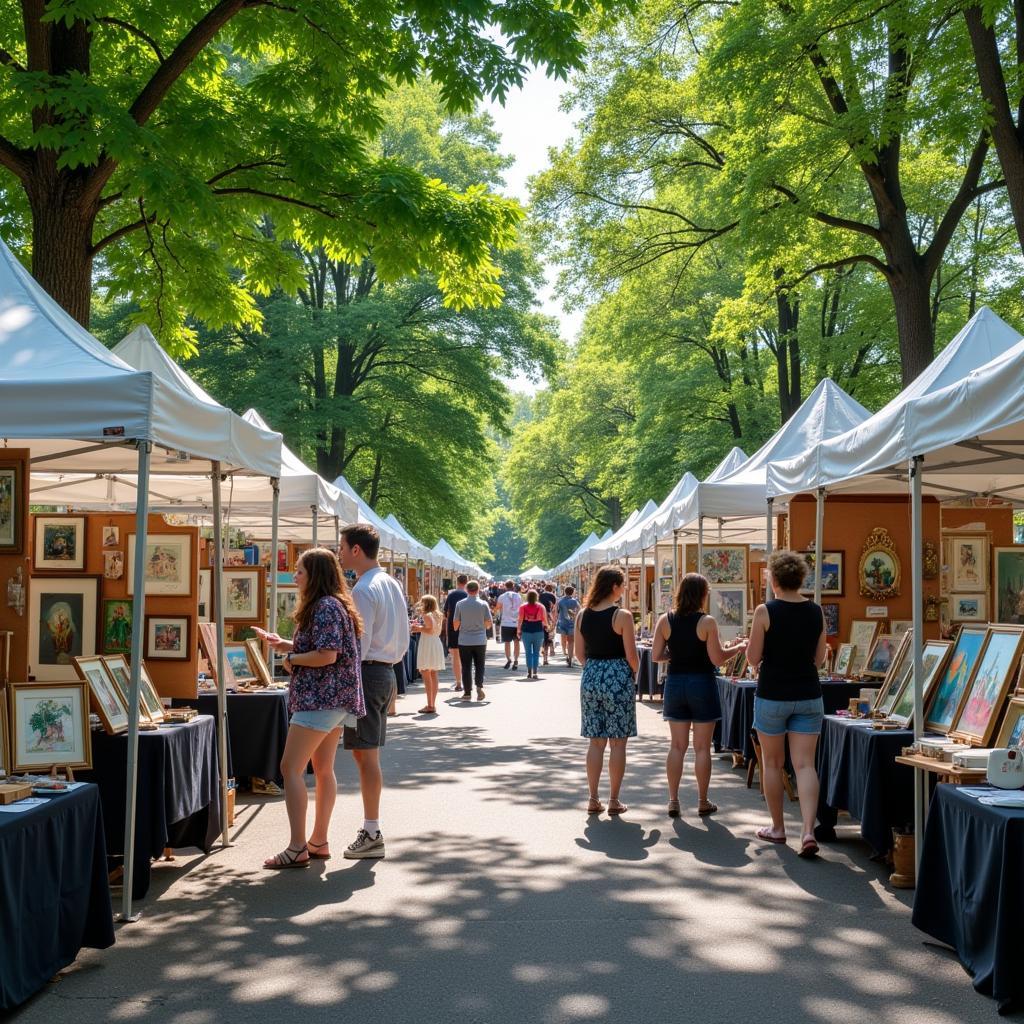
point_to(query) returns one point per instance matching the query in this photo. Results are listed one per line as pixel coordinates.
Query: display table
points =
(54, 897)
(858, 772)
(405, 670)
(737, 696)
(647, 674)
(970, 888)
(178, 794)
(944, 770)
(257, 730)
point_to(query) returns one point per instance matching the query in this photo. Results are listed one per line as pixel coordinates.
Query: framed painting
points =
(12, 525)
(107, 701)
(899, 665)
(830, 610)
(881, 656)
(728, 606)
(862, 636)
(257, 665)
(59, 545)
(724, 563)
(50, 726)
(117, 666)
(832, 565)
(150, 697)
(168, 568)
(62, 625)
(5, 732)
(879, 569)
(287, 603)
(116, 626)
(1008, 565)
(900, 626)
(168, 637)
(206, 611)
(243, 594)
(1011, 732)
(933, 660)
(111, 536)
(968, 563)
(844, 659)
(969, 607)
(237, 656)
(985, 694)
(210, 646)
(113, 565)
(954, 678)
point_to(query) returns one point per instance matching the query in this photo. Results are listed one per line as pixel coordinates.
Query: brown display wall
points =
(848, 521)
(997, 521)
(9, 618)
(171, 678)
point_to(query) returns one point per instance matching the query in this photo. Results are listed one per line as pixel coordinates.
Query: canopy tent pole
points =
(768, 546)
(275, 530)
(916, 639)
(337, 534)
(135, 681)
(405, 578)
(643, 588)
(700, 543)
(222, 691)
(675, 560)
(819, 530)
(316, 522)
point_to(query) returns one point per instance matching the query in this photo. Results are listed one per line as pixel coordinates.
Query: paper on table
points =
(1003, 800)
(22, 805)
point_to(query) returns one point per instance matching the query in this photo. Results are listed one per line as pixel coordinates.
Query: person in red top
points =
(533, 621)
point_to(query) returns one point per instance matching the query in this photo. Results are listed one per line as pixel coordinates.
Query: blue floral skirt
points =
(608, 699)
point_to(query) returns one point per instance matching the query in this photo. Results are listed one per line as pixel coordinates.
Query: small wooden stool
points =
(755, 765)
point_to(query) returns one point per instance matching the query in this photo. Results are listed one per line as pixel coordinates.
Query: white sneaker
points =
(365, 846)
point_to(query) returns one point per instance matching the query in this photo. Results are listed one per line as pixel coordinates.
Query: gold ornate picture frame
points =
(878, 572)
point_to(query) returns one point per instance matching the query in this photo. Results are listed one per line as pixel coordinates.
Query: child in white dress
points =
(430, 655)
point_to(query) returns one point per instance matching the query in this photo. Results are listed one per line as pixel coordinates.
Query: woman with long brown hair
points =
(687, 638)
(326, 694)
(605, 646)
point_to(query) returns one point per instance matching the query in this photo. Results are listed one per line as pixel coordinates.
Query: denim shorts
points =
(776, 717)
(691, 697)
(323, 721)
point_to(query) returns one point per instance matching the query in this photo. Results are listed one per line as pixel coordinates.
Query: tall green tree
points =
(148, 138)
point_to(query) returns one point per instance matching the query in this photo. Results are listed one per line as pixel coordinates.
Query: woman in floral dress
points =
(605, 646)
(326, 694)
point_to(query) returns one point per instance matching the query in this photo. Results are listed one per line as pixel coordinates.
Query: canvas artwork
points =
(237, 656)
(954, 678)
(107, 701)
(831, 574)
(969, 563)
(50, 726)
(242, 594)
(113, 565)
(933, 659)
(1009, 584)
(287, 602)
(206, 611)
(727, 605)
(880, 658)
(11, 525)
(111, 536)
(969, 607)
(1011, 732)
(62, 625)
(900, 626)
(899, 666)
(879, 569)
(210, 646)
(59, 544)
(830, 610)
(168, 637)
(986, 691)
(844, 658)
(116, 626)
(257, 664)
(168, 567)
(862, 636)
(724, 564)
(119, 671)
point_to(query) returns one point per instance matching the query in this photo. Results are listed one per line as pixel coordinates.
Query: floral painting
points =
(50, 726)
(724, 564)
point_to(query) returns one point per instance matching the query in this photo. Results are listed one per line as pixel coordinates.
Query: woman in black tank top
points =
(605, 645)
(787, 645)
(687, 639)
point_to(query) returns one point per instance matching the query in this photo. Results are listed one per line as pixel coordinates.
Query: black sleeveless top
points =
(689, 653)
(788, 671)
(601, 642)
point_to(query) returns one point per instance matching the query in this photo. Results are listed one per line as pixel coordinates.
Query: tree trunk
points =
(1005, 133)
(911, 296)
(787, 354)
(614, 507)
(61, 248)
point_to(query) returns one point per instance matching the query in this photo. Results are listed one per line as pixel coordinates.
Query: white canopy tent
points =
(535, 572)
(449, 558)
(415, 548)
(364, 514)
(569, 563)
(605, 550)
(80, 408)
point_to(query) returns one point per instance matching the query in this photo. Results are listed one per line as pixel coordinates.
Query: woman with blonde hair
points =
(326, 694)
(605, 645)
(430, 654)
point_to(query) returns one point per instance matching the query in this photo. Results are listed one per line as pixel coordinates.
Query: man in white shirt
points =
(508, 604)
(382, 607)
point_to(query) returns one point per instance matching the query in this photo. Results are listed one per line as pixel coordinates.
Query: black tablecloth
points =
(858, 772)
(647, 674)
(970, 889)
(405, 670)
(257, 730)
(178, 796)
(737, 697)
(54, 897)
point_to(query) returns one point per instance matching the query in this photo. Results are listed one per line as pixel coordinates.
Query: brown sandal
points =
(311, 846)
(673, 808)
(708, 808)
(288, 858)
(617, 807)
(595, 806)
